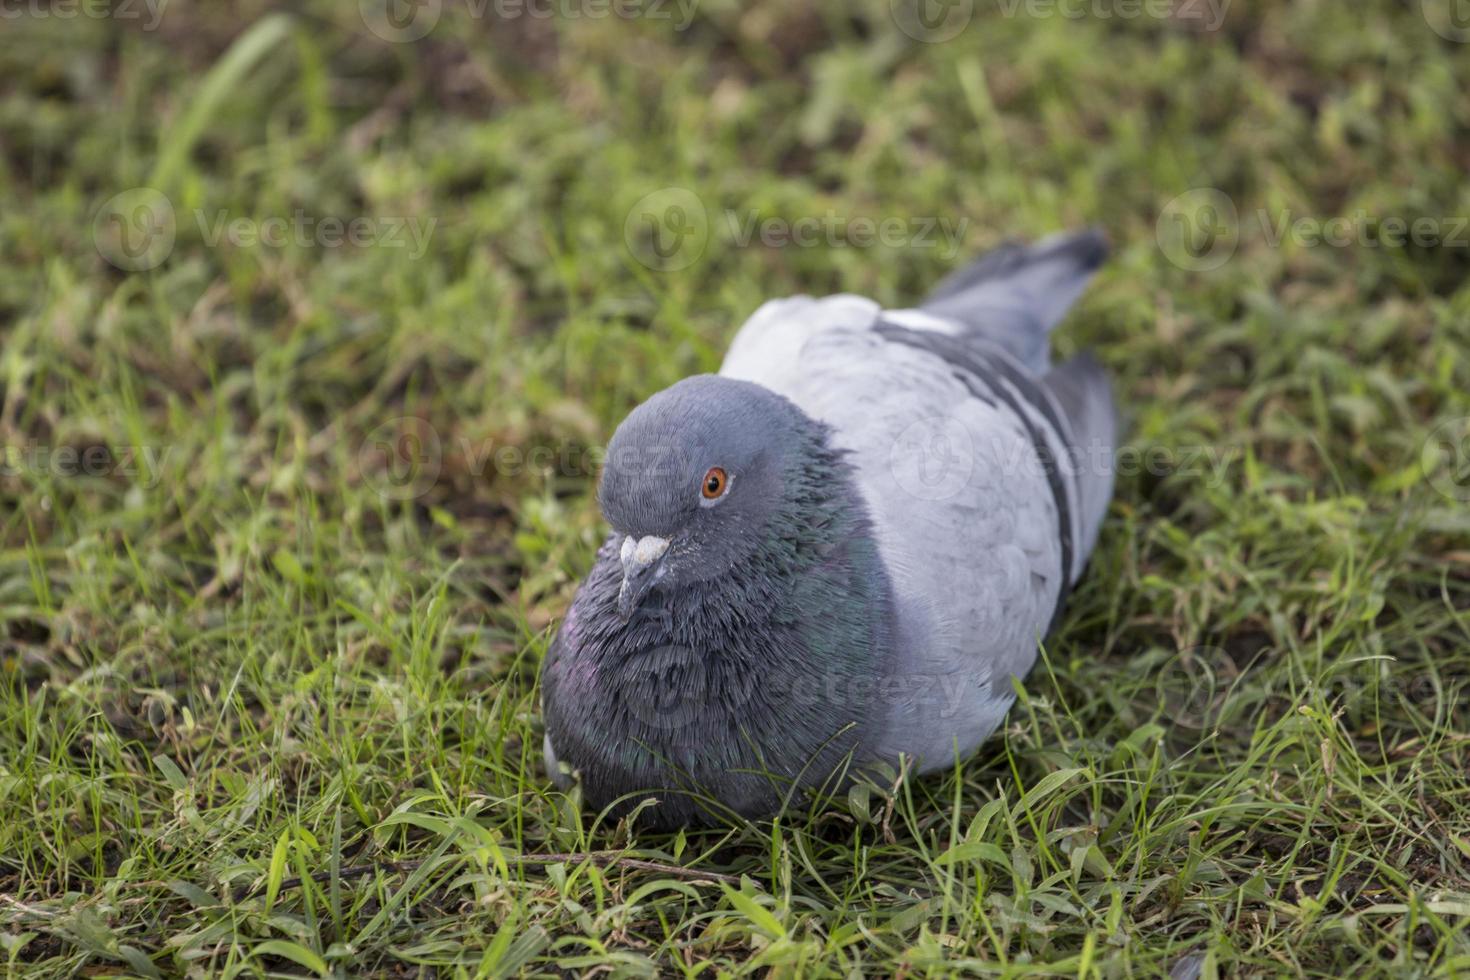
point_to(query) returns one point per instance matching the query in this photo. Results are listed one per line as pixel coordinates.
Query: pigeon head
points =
(693, 479)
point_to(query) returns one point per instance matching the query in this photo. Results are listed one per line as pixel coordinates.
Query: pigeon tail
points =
(1014, 295)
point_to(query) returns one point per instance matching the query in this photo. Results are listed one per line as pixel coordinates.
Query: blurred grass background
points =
(284, 530)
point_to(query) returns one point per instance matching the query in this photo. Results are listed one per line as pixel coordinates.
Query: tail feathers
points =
(1014, 295)
(1082, 391)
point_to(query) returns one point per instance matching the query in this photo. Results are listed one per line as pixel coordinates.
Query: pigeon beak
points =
(642, 569)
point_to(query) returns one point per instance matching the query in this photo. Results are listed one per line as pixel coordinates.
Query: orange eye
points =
(715, 484)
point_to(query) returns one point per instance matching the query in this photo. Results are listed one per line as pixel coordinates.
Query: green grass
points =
(254, 654)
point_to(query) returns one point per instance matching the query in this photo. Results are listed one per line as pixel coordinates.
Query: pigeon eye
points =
(716, 482)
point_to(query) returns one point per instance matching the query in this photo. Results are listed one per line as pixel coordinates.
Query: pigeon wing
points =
(951, 462)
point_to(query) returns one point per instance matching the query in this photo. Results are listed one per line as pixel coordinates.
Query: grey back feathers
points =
(986, 491)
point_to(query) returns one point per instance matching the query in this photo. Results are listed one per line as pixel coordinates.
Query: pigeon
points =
(840, 553)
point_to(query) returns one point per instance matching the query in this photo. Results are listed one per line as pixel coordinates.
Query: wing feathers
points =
(1082, 390)
(993, 370)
